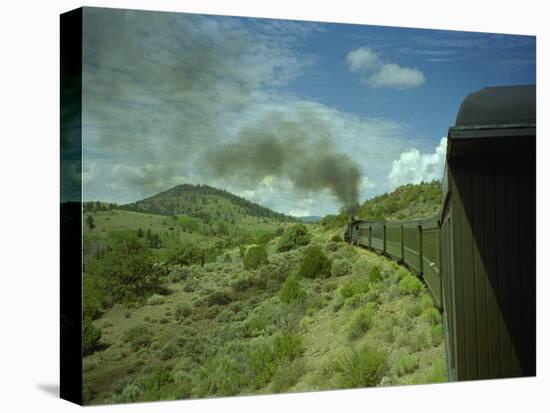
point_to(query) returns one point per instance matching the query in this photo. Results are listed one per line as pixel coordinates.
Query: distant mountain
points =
(406, 202)
(206, 203)
(312, 219)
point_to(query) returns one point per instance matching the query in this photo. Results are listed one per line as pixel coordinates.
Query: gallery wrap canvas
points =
(259, 206)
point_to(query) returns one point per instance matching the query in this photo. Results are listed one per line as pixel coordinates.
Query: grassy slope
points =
(405, 202)
(254, 316)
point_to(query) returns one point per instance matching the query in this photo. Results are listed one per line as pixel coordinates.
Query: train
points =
(477, 255)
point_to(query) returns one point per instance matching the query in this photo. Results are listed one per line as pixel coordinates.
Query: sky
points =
(300, 117)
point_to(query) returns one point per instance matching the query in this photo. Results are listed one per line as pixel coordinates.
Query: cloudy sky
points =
(300, 117)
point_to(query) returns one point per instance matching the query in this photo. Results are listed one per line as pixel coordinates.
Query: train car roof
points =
(489, 115)
(498, 106)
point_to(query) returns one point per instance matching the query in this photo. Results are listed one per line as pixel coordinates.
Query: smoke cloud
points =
(299, 150)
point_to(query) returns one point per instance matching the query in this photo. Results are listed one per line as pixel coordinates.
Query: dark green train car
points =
(488, 236)
(378, 237)
(431, 257)
(363, 234)
(412, 245)
(394, 241)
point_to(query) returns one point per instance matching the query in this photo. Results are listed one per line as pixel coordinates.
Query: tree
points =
(140, 233)
(90, 222)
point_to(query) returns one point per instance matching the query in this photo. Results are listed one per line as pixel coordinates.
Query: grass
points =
(222, 330)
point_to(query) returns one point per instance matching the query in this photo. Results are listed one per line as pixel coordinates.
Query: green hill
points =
(206, 203)
(406, 202)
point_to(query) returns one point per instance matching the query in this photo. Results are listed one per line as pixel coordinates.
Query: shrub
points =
(261, 363)
(156, 386)
(291, 290)
(169, 351)
(410, 285)
(138, 337)
(362, 368)
(91, 335)
(155, 299)
(405, 364)
(354, 286)
(315, 264)
(183, 311)
(287, 375)
(219, 298)
(128, 271)
(432, 316)
(130, 394)
(295, 236)
(287, 346)
(255, 256)
(221, 375)
(340, 267)
(361, 267)
(186, 254)
(337, 238)
(437, 334)
(437, 372)
(419, 340)
(426, 301)
(374, 275)
(361, 321)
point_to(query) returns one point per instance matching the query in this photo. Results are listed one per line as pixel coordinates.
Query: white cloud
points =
(414, 167)
(378, 73)
(393, 75)
(362, 58)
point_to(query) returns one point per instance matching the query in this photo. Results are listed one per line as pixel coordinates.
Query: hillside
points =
(406, 202)
(283, 324)
(206, 203)
(196, 305)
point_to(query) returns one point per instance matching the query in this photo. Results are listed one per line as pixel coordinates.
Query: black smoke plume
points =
(300, 150)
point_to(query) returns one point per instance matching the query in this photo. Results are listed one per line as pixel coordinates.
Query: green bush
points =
(261, 364)
(405, 364)
(295, 236)
(410, 285)
(170, 351)
(287, 375)
(138, 337)
(287, 346)
(128, 271)
(183, 311)
(361, 321)
(426, 301)
(157, 385)
(375, 275)
(354, 286)
(255, 256)
(337, 238)
(155, 299)
(437, 334)
(219, 298)
(91, 335)
(432, 316)
(291, 290)
(315, 264)
(184, 254)
(221, 375)
(363, 368)
(340, 267)
(361, 267)
(437, 372)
